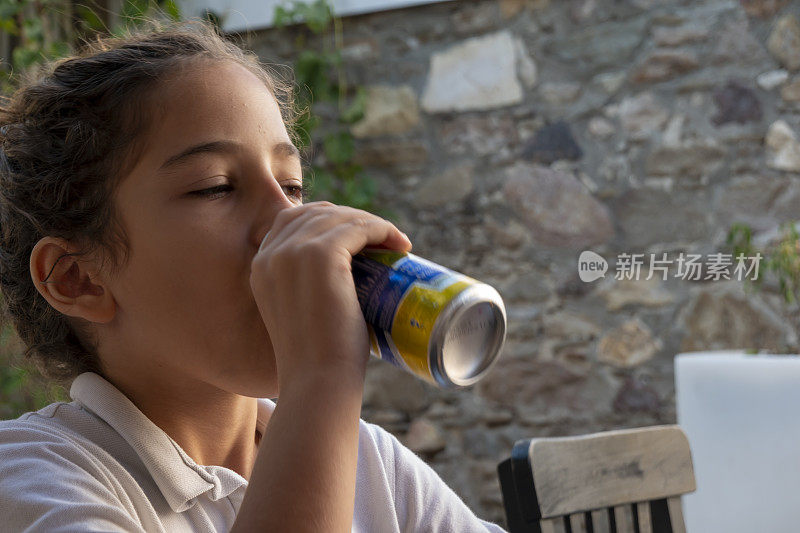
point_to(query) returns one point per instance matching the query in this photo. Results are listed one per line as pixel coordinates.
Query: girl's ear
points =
(70, 283)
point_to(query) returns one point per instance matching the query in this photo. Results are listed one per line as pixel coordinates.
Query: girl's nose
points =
(271, 201)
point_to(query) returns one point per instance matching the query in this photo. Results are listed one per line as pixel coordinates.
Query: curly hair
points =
(67, 137)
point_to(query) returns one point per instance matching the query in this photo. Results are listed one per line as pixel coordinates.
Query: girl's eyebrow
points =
(280, 150)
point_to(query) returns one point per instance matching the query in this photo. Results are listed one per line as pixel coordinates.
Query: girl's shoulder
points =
(54, 478)
(66, 428)
(57, 417)
(47, 420)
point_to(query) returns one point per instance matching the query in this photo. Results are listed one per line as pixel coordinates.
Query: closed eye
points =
(219, 190)
(296, 192)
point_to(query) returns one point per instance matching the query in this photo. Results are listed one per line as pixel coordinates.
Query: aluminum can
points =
(438, 324)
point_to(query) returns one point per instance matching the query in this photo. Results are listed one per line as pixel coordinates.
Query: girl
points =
(155, 248)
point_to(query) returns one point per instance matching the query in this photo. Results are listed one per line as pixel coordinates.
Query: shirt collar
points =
(178, 477)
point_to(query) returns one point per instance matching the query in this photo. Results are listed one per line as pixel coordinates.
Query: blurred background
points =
(506, 137)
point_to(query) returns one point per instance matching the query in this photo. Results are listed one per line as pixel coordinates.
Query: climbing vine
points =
(320, 76)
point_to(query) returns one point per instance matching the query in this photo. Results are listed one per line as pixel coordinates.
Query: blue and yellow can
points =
(438, 324)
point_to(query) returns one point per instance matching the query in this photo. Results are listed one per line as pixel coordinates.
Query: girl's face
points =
(217, 168)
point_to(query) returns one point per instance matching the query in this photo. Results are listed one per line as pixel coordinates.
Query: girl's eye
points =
(219, 190)
(296, 191)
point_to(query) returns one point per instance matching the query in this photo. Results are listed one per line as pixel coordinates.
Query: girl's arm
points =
(301, 277)
(304, 475)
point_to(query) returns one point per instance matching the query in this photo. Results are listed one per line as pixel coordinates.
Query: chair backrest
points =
(623, 481)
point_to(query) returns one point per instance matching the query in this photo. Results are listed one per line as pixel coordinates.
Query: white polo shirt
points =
(99, 464)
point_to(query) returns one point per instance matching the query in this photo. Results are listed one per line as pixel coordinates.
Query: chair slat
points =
(606, 469)
(623, 515)
(577, 522)
(676, 514)
(600, 521)
(553, 525)
(645, 522)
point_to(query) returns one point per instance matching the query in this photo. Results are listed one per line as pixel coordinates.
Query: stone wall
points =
(511, 135)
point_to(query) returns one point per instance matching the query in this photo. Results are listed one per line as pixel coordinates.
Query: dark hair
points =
(67, 137)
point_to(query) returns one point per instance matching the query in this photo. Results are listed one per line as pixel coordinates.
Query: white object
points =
(741, 414)
(244, 15)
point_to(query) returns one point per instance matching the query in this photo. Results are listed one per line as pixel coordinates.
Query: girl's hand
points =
(302, 282)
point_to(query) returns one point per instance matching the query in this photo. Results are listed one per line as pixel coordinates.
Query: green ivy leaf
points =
(355, 111)
(57, 49)
(13, 380)
(171, 8)
(311, 71)
(339, 147)
(359, 192)
(317, 15)
(134, 10)
(33, 28)
(9, 26)
(368, 185)
(282, 17)
(347, 171)
(90, 18)
(323, 185)
(9, 9)
(25, 57)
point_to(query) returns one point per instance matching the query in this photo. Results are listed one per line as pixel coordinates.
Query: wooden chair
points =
(624, 481)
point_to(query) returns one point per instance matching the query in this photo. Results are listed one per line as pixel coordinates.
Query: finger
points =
(290, 219)
(357, 234)
(392, 243)
(396, 240)
(317, 218)
(311, 223)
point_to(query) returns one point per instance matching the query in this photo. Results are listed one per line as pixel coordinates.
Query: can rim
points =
(449, 315)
